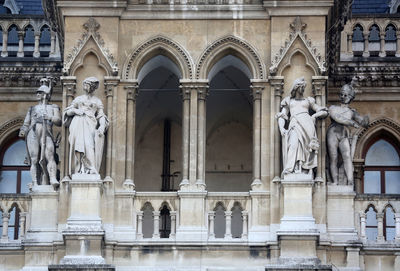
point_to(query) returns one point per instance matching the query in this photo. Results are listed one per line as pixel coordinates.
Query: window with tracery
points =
(165, 222)
(371, 224)
(14, 171)
(389, 226)
(29, 41)
(12, 41)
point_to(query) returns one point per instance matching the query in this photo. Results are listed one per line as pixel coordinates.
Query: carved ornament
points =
(91, 30)
(298, 30)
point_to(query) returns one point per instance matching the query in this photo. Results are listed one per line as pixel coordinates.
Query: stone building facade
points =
(191, 175)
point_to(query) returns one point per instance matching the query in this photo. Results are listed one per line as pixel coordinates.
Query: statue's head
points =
(347, 94)
(90, 84)
(298, 86)
(44, 91)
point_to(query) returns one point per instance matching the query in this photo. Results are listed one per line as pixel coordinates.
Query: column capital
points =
(362, 214)
(131, 87)
(228, 213)
(201, 86)
(110, 82)
(277, 83)
(21, 34)
(156, 213)
(379, 215)
(6, 215)
(36, 34)
(69, 83)
(257, 87)
(318, 85)
(140, 214)
(397, 216)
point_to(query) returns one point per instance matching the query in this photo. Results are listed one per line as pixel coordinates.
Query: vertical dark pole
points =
(166, 171)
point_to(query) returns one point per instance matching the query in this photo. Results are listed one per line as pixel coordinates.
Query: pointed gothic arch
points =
(236, 47)
(158, 45)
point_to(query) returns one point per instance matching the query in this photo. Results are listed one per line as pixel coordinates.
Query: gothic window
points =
(12, 41)
(220, 221)
(371, 224)
(148, 220)
(165, 222)
(358, 40)
(389, 226)
(237, 222)
(14, 173)
(382, 168)
(374, 40)
(29, 41)
(390, 40)
(13, 224)
(45, 41)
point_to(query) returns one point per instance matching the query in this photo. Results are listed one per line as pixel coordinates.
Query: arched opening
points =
(12, 41)
(148, 220)
(229, 126)
(220, 221)
(45, 41)
(14, 170)
(165, 222)
(382, 166)
(29, 41)
(390, 40)
(371, 224)
(237, 221)
(374, 40)
(358, 40)
(13, 223)
(389, 224)
(158, 146)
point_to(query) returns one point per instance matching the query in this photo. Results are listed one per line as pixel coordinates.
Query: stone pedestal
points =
(84, 233)
(340, 219)
(192, 223)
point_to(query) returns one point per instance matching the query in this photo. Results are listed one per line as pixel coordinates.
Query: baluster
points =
(139, 234)
(211, 217)
(4, 234)
(22, 220)
(245, 215)
(363, 226)
(228, 220)
(156, 232)
(380, 238)
(366, 44)
(173, 224)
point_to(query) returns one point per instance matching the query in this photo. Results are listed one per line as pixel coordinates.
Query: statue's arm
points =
(339, 118)
(27, 122)
(282, 118)
(362, 120)
(56, 118)
(73, 109)
(103, 121)
(320, 111)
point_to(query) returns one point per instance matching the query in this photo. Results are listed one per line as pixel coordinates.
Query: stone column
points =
(350, 43)
(21, 35)
(245, 215)
(397, 223)
(319, 92)
(228, 224)
(156, 231)
(131, 88)
(4, 51)
(173, 224)
(36, 52)
(22, 220)
(139, 233)
(4, 234)
(69, 90)
(185, 133)
(382, 52)
(397, 43)
(52, 44)
(211, 217)
(110, 84)
(363, 226)
(202, 92)
(257, 89)
(366, 44)
(380, 237)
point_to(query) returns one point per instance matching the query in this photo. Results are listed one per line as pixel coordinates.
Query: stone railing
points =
(379, 218)
(227, 216)
(370, 37)
(14, 210)
(16, 29)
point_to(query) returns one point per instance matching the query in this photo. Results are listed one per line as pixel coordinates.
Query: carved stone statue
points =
(38, 133)
(339, 138)
(87, 124)
(299, 141)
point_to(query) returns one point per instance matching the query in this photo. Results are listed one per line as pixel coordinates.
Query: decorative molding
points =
(235, 43)
(9, 127)
(298, 28)
(383, 121)
(91, 30)
(163, 43)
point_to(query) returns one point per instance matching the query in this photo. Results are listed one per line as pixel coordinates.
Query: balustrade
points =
(12, 206)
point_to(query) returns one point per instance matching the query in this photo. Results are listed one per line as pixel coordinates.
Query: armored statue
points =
(87, 124)
(38, 133)
(299, 140)
(339, 138)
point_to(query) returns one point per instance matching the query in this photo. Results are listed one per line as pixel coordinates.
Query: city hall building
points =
(212, 135)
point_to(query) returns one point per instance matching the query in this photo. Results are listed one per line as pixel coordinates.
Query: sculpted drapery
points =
(87, 125)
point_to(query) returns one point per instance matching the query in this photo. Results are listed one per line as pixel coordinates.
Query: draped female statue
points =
(299, 140)
(87, 124)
